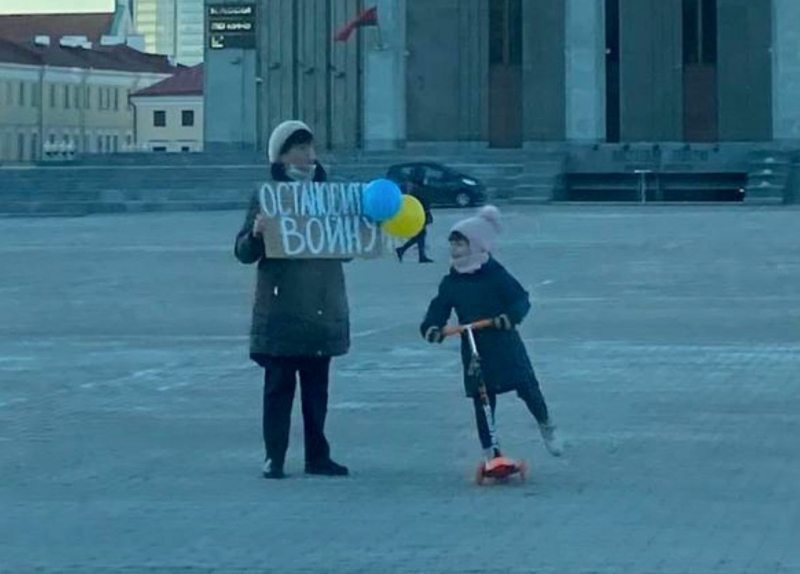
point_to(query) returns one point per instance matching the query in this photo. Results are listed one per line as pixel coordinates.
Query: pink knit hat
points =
(481, 230)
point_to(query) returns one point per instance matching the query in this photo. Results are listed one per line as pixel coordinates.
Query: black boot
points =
(273, 470)
(326, 468)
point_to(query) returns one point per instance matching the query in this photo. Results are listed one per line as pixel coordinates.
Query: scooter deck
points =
(500, 469)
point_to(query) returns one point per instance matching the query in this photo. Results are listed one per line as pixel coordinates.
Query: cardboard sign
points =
(311, 220)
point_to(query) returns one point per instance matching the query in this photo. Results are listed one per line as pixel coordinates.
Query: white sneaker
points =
(551, 439)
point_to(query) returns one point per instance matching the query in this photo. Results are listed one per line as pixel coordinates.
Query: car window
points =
(401, 172)
(434, 175)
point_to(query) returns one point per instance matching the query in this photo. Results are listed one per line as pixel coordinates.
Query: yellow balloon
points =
(409, 220)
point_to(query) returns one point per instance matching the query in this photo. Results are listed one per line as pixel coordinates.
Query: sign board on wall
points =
(231, 26)
(312, 220)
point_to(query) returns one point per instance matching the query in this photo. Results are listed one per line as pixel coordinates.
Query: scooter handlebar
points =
(452, 330)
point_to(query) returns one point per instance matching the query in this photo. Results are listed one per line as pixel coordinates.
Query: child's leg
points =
(532, 396)
(480, 419)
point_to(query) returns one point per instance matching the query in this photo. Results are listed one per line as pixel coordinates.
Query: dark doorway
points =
(700, 70)
(505, 73)
(612, 71)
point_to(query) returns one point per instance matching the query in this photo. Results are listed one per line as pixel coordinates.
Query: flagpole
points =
(381, 46)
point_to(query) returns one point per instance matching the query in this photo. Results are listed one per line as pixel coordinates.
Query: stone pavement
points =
(667, 340)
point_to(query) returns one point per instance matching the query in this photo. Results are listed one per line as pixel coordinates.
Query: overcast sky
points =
(27, 6)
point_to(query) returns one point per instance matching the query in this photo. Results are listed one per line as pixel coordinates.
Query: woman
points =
(300, 317)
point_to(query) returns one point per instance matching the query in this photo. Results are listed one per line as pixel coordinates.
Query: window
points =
(52, 95)
(76, 97)
(160, 118)
(699, 31)
(87, 98)
(185, 148)
(115, 145)
(87, 143)
(404, 172)
(36, 96)
(160, 148)
(51, 139)
(34, 147)
(187, 118)
(116, 99)
(505, 32)
(434, 176)
(21, 146)
(66, 97)
(99, 144)
(21, 94)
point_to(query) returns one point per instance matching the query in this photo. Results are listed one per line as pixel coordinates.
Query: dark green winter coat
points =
(485, 294)
(300, 307)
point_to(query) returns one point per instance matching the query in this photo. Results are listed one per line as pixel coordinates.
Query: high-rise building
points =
(171, 27)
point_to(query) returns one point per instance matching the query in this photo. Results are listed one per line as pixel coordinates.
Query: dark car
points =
(439, 184)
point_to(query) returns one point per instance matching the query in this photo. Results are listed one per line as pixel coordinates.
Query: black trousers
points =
(280, 380)
(531, 395)
(419, 241)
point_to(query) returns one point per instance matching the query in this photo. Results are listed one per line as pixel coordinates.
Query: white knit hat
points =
(481, 230)
(282, 133)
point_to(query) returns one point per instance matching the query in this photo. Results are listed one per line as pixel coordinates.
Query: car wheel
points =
(463, 199)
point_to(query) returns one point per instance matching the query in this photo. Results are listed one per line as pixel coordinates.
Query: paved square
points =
(667, 340)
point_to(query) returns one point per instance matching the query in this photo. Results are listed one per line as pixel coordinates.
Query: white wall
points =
(174, 136)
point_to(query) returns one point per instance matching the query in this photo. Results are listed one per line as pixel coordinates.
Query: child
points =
(478, 287)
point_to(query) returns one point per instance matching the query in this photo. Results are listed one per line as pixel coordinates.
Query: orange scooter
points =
(499, 468)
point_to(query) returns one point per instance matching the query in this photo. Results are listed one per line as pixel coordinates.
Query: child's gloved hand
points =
(502, 323)
(434, 335)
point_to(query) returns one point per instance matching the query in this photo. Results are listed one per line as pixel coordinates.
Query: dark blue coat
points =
(485, 294)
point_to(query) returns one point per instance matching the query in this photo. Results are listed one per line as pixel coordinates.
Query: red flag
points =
(366, 18)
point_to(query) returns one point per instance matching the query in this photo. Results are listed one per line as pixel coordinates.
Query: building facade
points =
(70, 98)
(505, 73)
(171, 27)
(169, 114)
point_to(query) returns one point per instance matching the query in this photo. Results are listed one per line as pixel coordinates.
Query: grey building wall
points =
(431, 80)
(230, 96)
(543, 70)
(447, 70)
(651, 86)
(585, 70)
(744, 69)
(304, 74)
(786, 69)
(385, 79)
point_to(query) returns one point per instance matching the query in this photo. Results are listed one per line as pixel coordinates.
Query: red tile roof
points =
(120, 57)
(186, 82)
(22, 28)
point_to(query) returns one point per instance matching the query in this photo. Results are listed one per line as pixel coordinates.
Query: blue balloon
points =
(382, 200)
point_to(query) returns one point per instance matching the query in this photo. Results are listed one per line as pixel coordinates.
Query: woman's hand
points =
(259, 225)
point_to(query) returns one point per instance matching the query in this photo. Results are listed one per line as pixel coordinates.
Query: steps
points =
(147, 182)
(768, 177)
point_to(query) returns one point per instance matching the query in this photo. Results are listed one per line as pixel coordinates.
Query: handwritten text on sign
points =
(317, 220)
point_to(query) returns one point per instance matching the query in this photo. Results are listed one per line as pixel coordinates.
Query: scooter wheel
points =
(480, 476)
